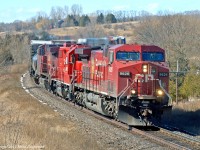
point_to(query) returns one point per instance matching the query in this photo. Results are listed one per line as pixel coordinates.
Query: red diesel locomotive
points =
(128, 82)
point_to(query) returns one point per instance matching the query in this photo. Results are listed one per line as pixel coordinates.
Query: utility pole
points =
(177, 71)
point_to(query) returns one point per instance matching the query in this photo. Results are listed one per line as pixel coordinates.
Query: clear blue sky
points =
(11, 10)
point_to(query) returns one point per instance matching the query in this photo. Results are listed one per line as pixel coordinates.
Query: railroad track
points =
(161, 137)
(186, 140)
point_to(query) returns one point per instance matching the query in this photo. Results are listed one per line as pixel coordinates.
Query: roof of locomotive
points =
(136, 47)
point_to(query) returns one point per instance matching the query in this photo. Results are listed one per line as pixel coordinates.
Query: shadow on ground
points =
(186, 120)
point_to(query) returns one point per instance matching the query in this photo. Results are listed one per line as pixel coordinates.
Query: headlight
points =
(145, 68)
(133, 92)
(160, 92)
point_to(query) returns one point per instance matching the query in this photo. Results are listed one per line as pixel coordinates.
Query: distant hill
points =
(121, 29)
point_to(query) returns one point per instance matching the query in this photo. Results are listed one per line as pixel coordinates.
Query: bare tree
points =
(53, 13)
(76, 10)
(66, 11)
(56, 13)
(176, 33)
(133, 15)
(119, 15)
(41, 15)
(98, 12)
(60, 13)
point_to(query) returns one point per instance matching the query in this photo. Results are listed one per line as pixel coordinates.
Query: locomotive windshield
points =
(128, 56)
(153, 56)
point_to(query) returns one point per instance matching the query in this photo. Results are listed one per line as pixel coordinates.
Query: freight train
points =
(128, 82)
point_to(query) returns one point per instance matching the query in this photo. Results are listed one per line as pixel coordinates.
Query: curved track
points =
(162, 136)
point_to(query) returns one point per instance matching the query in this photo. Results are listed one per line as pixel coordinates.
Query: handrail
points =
(159, 81)
(122, 93)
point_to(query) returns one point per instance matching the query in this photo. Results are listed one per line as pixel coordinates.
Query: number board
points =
(163, 74)
(125, 74)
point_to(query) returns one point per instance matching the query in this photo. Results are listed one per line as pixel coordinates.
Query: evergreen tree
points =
(71, 21)
(76, 23)
(110, 18)
(84, 20)
(100, 19)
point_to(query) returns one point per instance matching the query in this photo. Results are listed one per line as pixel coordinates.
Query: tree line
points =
(70, 16)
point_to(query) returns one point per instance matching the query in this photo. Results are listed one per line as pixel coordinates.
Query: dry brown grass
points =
(122, 29)
(187, 116)
(26, 122)
(3, 34)
(67, 31)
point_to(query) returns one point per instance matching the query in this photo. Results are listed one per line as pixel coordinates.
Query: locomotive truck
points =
(128, 82)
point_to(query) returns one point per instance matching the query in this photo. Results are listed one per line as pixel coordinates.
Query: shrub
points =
(190, 86)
